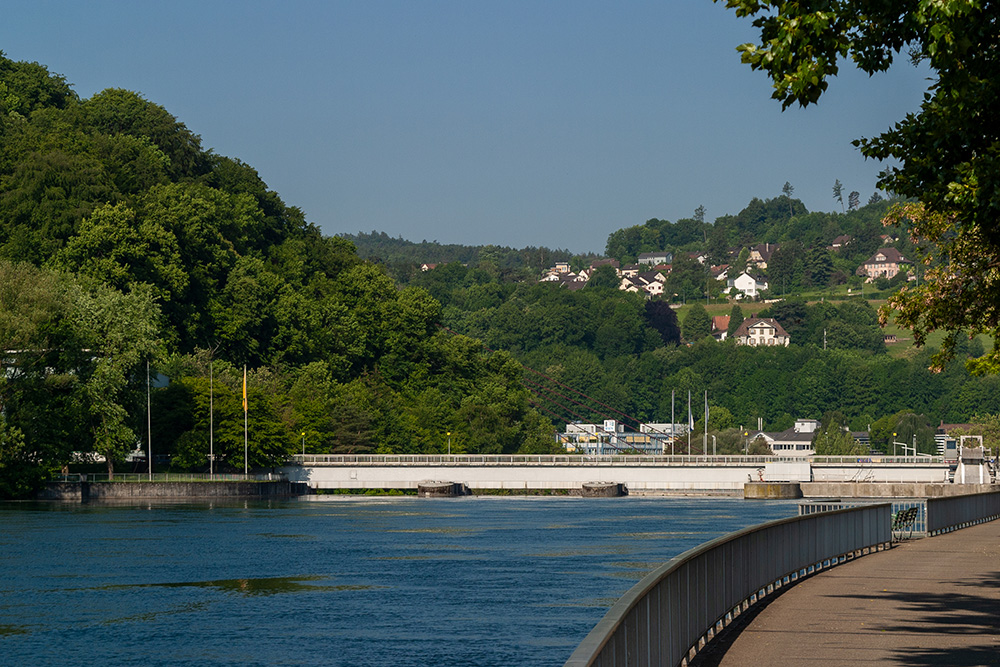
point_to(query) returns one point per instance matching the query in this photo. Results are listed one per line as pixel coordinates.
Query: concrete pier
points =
(429, 489)
(603, 490)
(772, 490)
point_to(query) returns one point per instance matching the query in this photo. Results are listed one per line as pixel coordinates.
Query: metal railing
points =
(585, 460)
(169, 477)
(919, 524)
(680, 606)
(954, 512)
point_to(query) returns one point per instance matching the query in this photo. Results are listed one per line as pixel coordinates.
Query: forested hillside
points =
(403, 258)
(127, 248)
(123, 241)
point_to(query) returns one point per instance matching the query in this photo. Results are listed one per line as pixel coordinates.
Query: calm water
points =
(467, 581)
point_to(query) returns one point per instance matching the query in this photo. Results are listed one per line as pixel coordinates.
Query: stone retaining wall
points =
(80, 491)
(888, 490)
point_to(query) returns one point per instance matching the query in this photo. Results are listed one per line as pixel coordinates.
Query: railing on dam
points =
(585, 460)
(679, 606)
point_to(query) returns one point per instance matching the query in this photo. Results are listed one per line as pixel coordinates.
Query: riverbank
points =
(84, 491)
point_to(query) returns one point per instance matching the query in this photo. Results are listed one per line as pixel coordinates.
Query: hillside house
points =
(761, 332)
(885, 263)
(838, 243)
(720, 327)
(760, 254)
(654, 258)
(746, 285)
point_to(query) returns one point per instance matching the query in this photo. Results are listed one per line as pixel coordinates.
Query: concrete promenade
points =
(932, 601)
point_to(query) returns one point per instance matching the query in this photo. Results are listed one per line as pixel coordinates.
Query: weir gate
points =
(640, 474)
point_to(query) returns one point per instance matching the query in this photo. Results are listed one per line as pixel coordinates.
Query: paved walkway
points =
(932, 601)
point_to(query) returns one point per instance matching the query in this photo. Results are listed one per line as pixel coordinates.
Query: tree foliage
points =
(948, 152)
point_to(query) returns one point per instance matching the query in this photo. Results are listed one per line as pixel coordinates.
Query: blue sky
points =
(514, 123)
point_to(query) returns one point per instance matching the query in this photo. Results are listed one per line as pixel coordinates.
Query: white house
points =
(761, 332)
(747, 285)
(654, 258)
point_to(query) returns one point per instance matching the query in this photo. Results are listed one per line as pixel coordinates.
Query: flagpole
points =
(211, 420)
(246, 462)
(673, 421)
(705, 436)
(149, 425)
(690, 422)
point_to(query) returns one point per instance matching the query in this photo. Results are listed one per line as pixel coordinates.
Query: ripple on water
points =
(252, 586)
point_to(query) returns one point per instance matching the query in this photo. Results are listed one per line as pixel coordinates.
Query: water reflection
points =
(257, 586)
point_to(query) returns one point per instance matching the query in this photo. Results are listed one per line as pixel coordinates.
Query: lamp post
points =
(904, 445)
(303, 444)
(746, 443)
(449, 443)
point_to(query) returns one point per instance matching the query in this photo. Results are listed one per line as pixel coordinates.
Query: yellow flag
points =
(244, 389)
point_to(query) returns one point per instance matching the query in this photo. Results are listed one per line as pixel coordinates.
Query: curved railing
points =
(954, 512)
(678, 607)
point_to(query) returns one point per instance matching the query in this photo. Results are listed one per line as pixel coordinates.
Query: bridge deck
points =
(934, 601)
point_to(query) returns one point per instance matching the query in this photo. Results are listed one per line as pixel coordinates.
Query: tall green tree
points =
(120, 335)
(697, 323)
(735, 320)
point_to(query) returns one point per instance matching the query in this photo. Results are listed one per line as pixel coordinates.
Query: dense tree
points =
(697, 323)
(786, 267)
(947, 152)
(688, 279)
(604, 276)
(661, 317)
(735, 320)
(818, 267)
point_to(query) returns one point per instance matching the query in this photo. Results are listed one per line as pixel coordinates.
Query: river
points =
(334, 580)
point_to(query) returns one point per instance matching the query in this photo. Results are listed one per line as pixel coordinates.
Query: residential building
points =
(885, 263)
(654, 258)
(796, 441)
(838, 243)
(761, 254)
(720, 327)
(761, 332)
(747, 285)
(612, 437)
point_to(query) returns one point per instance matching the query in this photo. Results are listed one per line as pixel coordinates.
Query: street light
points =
(713, 445)
(303, 444)
(449, 443)
(904, 445)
